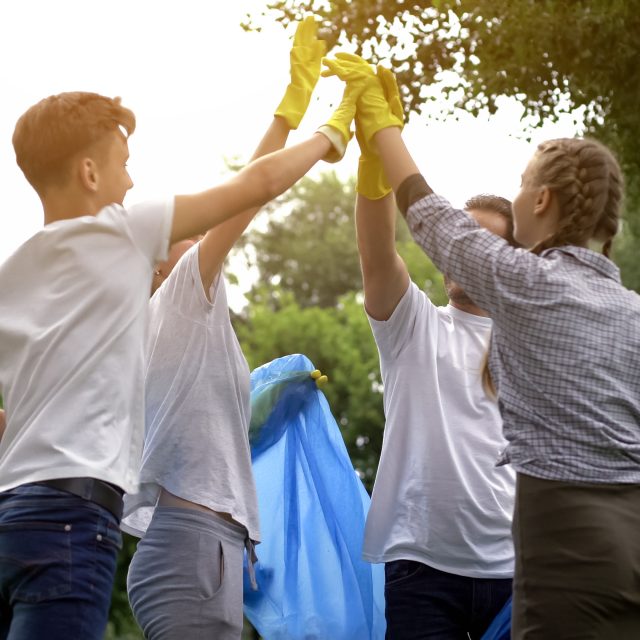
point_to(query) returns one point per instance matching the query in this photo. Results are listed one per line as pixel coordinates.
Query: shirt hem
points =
(458, 571)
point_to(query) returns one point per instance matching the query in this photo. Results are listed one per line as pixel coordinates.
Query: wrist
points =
(337, 144)
(293, 105)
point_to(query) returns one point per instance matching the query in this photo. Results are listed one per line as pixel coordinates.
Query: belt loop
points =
(252, 558)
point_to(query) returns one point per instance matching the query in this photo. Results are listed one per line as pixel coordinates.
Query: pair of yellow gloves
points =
(371, 97)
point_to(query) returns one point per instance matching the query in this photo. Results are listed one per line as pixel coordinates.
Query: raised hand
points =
(391, 92)
(305, 60)
(338, 127)
(374, 112)
(378, 107)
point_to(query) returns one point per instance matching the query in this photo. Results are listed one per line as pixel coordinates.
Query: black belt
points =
(98, 491)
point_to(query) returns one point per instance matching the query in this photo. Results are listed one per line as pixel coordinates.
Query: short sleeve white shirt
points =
(197, 404)
(73, 309)
(438, 497)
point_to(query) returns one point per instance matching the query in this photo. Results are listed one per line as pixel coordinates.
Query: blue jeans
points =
(57, 564)
(422, 602)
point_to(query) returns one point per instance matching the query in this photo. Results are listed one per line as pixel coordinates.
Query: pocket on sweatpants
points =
(35, 559)
(211, 566)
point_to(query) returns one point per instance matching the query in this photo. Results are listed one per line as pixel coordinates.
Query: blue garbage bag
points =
(500, 628)
(312, 582)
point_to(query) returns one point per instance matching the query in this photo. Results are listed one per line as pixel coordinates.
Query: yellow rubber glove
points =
(320, 379)
(305, 60)
(374, 112)
(391, 92)
(372, 182)
(338, 127)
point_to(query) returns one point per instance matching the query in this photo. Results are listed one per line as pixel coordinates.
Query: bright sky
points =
(204, 90)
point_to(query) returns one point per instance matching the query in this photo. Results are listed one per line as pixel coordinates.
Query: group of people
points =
(511, 453)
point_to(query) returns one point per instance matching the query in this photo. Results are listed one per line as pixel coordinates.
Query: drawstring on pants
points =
(252, 558)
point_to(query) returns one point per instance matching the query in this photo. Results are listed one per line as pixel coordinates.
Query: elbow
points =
(264, 178)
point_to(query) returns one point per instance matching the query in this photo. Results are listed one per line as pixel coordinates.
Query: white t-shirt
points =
(73, 310)
(438, 497)
(197, 403)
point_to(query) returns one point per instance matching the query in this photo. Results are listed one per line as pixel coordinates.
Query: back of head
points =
(494, 204)
(55, 130)
(586, 178)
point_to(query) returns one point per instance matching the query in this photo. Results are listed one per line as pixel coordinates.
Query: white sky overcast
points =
(204, 90)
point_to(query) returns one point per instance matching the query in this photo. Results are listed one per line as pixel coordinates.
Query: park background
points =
(482, 81)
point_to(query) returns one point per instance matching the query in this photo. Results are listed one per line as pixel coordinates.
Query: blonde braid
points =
(609, 222)
(586, 179)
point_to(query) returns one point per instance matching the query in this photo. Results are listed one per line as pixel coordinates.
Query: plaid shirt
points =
(565, 353)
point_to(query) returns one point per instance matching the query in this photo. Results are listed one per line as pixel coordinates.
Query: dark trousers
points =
(577, 561)
(57, 563)
(422, 602)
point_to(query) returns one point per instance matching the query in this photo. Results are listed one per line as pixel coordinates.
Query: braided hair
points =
(586, 178)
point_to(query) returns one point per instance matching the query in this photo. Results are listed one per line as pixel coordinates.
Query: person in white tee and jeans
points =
(73, 316)
(441, 511)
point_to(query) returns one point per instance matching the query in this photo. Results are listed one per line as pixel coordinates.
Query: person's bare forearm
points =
(255, 185)
(3, 423)
(278, 171)
(384, 274)
(375, 232)
(218, 241)
(274, 138)
(396, 159)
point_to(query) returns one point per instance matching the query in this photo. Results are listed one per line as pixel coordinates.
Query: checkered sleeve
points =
(491, 271)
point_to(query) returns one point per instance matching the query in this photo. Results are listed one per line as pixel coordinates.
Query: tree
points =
(552, 56)
(310, 251)
(308, 247)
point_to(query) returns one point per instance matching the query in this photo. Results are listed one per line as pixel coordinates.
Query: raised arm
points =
(265, 178)
(217, 243)
(396, 159)
(305, 61)
(384, 274)
(379, 117)
(253, 186)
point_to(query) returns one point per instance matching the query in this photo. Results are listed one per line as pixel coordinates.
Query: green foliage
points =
(311, 250)
(552, 56)
(541, 51)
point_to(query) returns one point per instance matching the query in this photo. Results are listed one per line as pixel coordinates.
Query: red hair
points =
(53, 131)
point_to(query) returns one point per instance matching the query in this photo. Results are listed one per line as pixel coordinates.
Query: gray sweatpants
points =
(185, 578)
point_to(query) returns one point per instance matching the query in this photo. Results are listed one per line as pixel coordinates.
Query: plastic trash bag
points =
(312, 582)
(500, 628)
